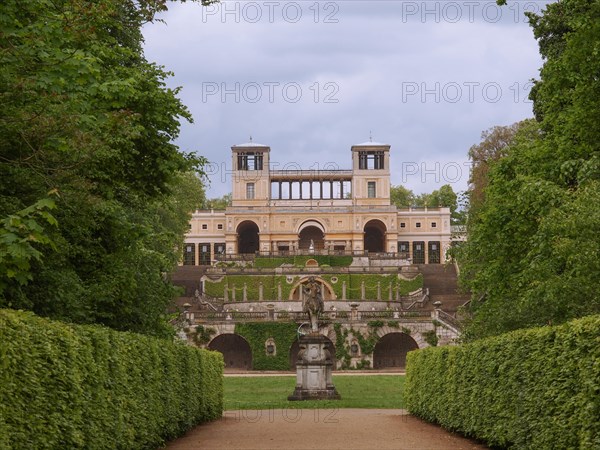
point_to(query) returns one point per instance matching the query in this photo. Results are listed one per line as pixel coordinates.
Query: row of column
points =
(311, 191)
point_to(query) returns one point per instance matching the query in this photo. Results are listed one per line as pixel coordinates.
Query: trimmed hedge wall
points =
(70, 386)
(536, 389)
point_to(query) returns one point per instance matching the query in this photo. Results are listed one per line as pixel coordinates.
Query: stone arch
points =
(412, 329)
(295, 347)
(418, 337)
(236, 351)
(327, 290)
(247, 237)
(311, 223)
(311, 231)
(391, 349)
(374, 236)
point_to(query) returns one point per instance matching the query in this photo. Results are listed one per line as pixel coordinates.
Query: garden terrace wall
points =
(69, 386)
(215, 287)
(300, 261)
(535, 388)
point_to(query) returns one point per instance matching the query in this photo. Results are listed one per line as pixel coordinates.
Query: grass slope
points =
(357, 391)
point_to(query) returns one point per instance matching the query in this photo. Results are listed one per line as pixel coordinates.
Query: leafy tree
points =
(219, 202)
(532, 251)
(84, 114)
(20, 234)
(423, 200)
(444, 197)
(494, 144)
(401, 196)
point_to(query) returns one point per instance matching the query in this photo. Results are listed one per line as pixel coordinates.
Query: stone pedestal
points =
(313, 370)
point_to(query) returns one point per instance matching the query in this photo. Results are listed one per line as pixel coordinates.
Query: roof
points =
(371, 144)
(250, 144)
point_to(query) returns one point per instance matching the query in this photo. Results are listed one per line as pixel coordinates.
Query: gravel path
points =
(321, 429)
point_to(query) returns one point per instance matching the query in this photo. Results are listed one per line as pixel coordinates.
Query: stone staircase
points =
(442, 282)
(188, 277)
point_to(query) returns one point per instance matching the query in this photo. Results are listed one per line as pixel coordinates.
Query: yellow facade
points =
(276, 212)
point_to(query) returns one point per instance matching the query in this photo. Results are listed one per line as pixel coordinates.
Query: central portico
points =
(335, 210)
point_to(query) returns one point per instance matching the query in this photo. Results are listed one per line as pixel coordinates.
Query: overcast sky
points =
(310, 79)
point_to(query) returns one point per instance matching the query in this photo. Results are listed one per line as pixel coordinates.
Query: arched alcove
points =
(248, 239)
(326, 289)
(374, 236)
(235, 349)
(311, 231)
(391, 349)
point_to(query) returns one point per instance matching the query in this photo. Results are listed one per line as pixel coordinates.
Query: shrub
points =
(272, 262)
(430, 336)
(300, 260)
(375, 323)
(363, 364)
(534, 388)
(203, 335)
(340, 261)
(72, 386)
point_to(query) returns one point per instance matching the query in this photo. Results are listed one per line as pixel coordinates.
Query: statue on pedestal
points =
(314, 363)
(313, 302)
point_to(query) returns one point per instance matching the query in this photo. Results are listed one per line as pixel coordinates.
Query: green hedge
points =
(256, 333)
(534, 389)
(68, 386)
(300, 260)
(271, 263)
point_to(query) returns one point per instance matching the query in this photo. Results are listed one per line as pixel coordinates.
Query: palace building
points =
(286, 212)
(245, 268)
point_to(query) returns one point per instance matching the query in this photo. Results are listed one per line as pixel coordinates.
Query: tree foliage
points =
(219, 202)
(84, 114)
(532, 251)
(444, 197)
(401, 197)
(20, 234)
(493, 146)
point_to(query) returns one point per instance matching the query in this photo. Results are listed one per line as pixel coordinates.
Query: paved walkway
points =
(321, 429)
(275, 373)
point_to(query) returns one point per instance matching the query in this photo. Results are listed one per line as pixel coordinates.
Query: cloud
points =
(310, 87)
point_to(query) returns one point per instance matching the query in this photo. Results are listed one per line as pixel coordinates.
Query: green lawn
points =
(358, 391)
